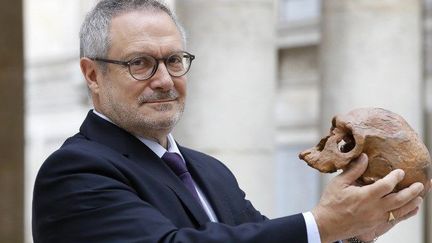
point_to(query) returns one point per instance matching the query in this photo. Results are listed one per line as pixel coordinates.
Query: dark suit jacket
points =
(104, 185)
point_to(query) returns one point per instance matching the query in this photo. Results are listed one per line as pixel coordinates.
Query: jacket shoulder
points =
(78, 154)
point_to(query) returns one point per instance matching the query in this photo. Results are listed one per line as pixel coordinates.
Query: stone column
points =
(428, 138)
(371, 56)
(231, 89)
(428, 107)
(11, 122)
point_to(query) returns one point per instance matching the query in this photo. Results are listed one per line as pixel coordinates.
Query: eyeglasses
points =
(145, 66)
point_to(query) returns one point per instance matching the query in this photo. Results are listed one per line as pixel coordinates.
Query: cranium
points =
(384, 136)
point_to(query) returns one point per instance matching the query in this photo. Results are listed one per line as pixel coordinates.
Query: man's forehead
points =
(159, 49)
(144, 29)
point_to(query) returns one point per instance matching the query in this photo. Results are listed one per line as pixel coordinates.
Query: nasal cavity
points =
(321, 145)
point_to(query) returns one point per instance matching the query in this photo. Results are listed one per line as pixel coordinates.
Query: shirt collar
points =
(154, 146)
(158, 149)
(102, 116)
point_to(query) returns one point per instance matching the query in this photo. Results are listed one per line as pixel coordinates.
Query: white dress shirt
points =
(311, 226)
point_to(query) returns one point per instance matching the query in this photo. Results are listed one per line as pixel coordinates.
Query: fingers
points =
(355, 169)
(387, 184)
(408, 215)
(407, 211)
(404, 197)
(404, 204)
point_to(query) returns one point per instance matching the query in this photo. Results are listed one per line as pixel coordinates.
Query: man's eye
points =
(137, 62)
(141, 62)
(175, 59)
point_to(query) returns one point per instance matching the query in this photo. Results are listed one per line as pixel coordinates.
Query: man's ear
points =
(91, 73)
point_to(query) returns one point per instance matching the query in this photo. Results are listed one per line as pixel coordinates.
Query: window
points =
(298, 10)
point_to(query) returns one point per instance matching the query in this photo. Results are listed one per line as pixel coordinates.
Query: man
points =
(123, 178)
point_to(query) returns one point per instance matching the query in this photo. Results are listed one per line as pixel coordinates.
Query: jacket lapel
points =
(157, 167)
(104, 132)
(211, 187)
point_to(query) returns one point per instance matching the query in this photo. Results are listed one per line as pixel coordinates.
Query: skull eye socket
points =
(347, 143)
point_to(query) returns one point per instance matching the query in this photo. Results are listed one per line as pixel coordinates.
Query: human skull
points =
(384, 136)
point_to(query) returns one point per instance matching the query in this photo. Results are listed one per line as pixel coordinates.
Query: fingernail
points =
(401, 174)
(419, 201)
(362, 157)
(418, 187)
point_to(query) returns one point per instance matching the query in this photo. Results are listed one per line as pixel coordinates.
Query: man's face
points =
(148, 108)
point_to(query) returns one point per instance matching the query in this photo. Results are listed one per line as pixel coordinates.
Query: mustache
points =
(158, 95)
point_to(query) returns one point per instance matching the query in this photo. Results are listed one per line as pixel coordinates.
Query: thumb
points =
(355, 169)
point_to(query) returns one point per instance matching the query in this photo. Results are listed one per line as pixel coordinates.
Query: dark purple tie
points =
(178, 166)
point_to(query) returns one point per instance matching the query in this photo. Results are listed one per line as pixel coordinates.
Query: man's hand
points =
(386, 226)
(346, 209)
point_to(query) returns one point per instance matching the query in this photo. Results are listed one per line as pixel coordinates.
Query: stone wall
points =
(11, 122)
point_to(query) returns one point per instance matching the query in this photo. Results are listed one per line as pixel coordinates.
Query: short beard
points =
(144, 124)
(138, 124)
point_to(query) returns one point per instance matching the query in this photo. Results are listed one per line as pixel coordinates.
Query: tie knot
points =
(175, 162)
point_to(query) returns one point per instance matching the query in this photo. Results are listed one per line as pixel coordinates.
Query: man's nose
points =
(162, 79)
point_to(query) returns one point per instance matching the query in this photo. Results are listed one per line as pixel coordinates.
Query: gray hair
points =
(94, 34)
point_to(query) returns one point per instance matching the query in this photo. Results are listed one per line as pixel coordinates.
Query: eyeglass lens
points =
(144, 67)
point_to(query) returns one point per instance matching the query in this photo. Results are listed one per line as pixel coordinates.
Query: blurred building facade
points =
(268, 77)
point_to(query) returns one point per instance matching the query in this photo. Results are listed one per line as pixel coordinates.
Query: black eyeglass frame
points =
(155, 68)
